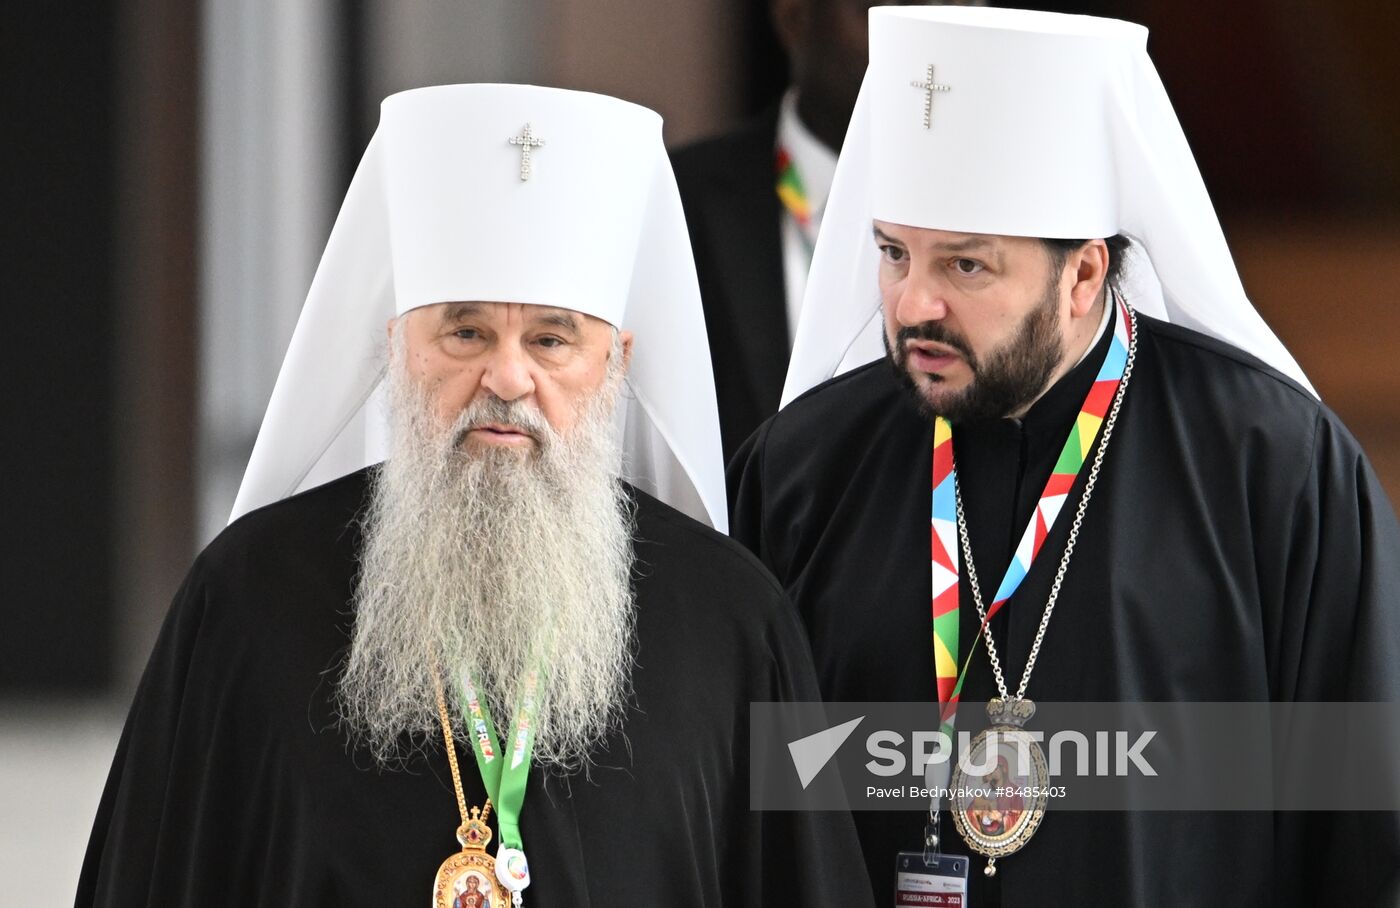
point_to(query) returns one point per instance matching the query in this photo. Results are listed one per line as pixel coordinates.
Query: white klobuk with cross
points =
(1047, 126)
(435, 214)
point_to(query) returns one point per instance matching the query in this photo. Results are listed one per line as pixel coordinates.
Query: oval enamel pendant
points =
(468, 879)
(1000, 785)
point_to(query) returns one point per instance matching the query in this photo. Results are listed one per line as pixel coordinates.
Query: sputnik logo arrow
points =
(811, 753)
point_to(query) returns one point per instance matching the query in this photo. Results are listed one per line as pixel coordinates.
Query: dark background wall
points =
(57, 229)
(110, 272)
(1292, 107)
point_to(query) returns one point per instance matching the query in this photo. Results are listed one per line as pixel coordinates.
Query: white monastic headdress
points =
(504, 193)
(1001, 121)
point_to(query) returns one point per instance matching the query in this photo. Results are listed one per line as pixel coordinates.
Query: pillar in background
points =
(271, 77)
(156, 280)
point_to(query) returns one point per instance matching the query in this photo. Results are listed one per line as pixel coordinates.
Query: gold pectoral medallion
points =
(1000, 787)
(468, 879)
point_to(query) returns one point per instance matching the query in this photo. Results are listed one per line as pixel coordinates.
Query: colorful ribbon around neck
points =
(791, 191)
(504, 779)
(1052, 499)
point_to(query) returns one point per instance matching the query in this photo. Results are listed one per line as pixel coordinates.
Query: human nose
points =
(921, 299)
(507, 374)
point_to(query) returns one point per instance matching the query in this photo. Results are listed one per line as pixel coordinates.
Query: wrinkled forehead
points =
(505, 313)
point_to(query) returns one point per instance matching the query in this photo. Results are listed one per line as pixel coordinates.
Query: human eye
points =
(968, 267)
(892, 253)
(466, 333)
(550, 341)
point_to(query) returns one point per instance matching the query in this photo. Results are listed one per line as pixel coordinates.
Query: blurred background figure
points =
(754, 198)
(170, 171)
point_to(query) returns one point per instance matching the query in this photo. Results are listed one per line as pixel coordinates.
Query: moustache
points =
(931, 331)
(494, 411)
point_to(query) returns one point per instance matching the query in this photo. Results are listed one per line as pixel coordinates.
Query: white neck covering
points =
(438, 212)
(1050, 126)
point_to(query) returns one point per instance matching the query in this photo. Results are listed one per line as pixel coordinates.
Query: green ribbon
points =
(504, 773)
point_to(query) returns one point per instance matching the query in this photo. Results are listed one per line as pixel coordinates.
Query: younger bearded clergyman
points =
(1053, 485)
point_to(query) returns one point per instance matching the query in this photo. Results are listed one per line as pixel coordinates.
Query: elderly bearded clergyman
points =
(490, 634)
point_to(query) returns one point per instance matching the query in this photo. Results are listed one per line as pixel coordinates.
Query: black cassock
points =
(1238, 547)
(735, 221)
(233, 786)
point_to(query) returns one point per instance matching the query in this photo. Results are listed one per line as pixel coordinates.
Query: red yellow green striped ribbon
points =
(944, 531)
(791, 191)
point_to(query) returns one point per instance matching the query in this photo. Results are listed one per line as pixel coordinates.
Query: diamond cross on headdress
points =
(527, 140)
(928, 86)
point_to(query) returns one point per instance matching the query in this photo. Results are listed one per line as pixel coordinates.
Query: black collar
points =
(1050, 417)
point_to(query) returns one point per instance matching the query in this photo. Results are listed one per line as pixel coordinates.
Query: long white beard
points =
(490, 563)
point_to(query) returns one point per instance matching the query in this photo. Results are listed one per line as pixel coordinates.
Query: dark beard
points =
(1007, 380)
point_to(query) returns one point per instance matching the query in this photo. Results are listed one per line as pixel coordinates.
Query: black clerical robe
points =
(728, 186)
(1238, 547)
(232, 784)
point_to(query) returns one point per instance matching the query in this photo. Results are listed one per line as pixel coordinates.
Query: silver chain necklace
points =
(1069, 545)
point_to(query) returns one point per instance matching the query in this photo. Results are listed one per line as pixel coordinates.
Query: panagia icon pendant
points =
(468, 880)
(1000, 786)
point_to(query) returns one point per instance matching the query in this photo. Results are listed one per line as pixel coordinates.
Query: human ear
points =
(1089, 267)
(626, 338)
(391, 327)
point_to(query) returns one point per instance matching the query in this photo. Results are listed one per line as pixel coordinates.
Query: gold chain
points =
(448, 741)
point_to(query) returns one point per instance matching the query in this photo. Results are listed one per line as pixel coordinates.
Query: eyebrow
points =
(455, 312)
(549, 315)
(560, 318)
(967, 245)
